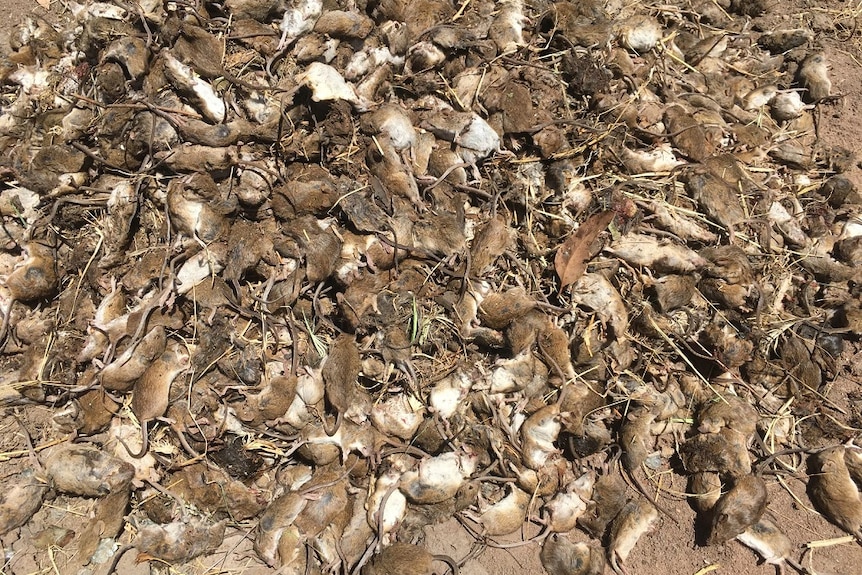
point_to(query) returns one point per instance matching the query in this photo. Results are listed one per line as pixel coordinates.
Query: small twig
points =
(97, 158)
(26, 433)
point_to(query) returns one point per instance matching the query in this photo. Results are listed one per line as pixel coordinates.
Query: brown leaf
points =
(571, 259)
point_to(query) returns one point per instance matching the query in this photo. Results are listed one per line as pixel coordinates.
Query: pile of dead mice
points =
(324, 274)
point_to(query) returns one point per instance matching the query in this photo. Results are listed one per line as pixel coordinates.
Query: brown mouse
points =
(151, 394)
(724, 452)
(406, 559)
(833, 492)
(272, 402)
(193, 208)
(738, 509)
(634, 440)
(853, 461)
(704, 488)
(562, 556)
(727, 411)
(340, 372)
(176, 542)
(34, 279)
(275, 524)
(634, 520)
(687, 135)
(327, 501)
(120, 374)
(507, 515)
(609, 497)
(813, 75)
(21, 498)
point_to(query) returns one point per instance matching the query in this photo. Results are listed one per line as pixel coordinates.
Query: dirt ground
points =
(670, 550)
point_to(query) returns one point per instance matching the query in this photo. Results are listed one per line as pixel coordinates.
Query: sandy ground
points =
(672, 549)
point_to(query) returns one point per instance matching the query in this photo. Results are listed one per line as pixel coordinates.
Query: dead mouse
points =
(727, 411)
(833, 492)
(853, 461)
(562, 556)
(507, 515)
(340, 372)
(634, 437)
(34, 279)
(406, 559)
(151, 394)
(704, 488)
(176, 542)
(21, 498)
(635, 519)
(120, 374)
(538, 434)
(609, 497)
(738, 509)
(765, 538)
(724, 452)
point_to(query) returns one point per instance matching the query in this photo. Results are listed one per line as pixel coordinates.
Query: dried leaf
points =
(571, 259)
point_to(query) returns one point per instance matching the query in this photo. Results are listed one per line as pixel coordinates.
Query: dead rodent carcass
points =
(20, 498)
(833, 491)
(33, 279)
(406, 559)
(562, 556)
(174, 543)
(738, 509)
(635, 519)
